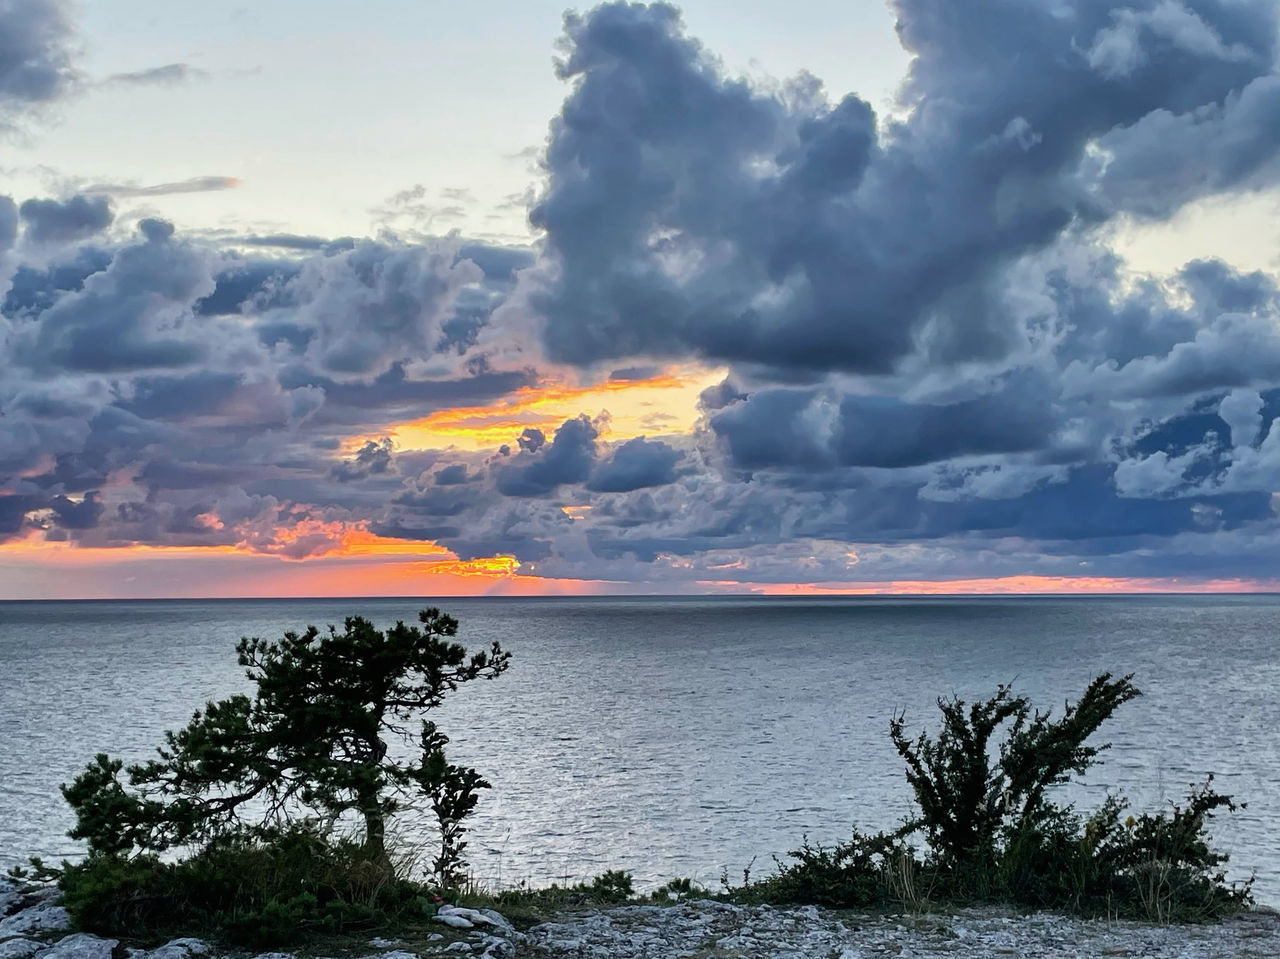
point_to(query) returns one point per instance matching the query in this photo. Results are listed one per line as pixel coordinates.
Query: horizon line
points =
(745, 594)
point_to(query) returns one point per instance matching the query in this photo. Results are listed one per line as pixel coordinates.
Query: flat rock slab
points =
(80, 946)
(20, 948)
(175, 949)
(711, 930)
(45, 917)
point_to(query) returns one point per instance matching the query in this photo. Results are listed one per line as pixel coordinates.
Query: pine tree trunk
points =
(375, 836)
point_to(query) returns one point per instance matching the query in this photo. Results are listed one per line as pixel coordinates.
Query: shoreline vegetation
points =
(268, 821)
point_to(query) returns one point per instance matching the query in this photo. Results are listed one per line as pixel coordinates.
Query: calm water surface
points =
(677, 737)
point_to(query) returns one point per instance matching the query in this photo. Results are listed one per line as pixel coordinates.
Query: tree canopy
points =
(313, 743)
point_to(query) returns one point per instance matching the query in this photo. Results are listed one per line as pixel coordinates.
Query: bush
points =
(848, 875)
(993, 834)
(967, 803)
(258, 892)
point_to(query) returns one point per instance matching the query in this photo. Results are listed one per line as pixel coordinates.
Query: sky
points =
(304, 299)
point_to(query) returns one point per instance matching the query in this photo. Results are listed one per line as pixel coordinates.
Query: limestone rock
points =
(81, 945)
(20, 948)
(45, 917)
(499, 920)
(394, 954)
(457, 922)
(733, 932)
(175, 949)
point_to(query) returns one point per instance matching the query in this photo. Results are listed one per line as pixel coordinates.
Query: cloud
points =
(690, 212)
(199, 184)
(933, 360)
(131, 316)
(544, 467)
(363, 310)
(370, 460)
(636, 464)
(36, 42)
(803, 427)
(64, 221)
(295, 241)
(171, 74)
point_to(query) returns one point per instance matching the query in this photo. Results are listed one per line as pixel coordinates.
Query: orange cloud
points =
(667, 403)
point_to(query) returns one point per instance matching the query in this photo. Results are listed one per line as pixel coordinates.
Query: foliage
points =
(680, 889)
(848, 875)
(312, 744)
(251, 791)
(452, 792)
(966, 802)
(994, 835)
(258, 892)
(612, 885)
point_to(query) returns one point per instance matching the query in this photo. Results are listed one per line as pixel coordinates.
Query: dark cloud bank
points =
(938, 367)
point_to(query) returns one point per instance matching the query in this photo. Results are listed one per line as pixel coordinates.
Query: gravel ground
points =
(710, 930)
(33, 926)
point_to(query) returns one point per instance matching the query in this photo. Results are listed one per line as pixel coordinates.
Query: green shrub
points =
(250, 891)
(967, 802)
(681, 889)
(982, 784)
(612, 885)
(847, 875)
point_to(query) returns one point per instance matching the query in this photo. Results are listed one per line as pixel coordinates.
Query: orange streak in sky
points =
(1002, 585)
(366, 565)
(631, 404)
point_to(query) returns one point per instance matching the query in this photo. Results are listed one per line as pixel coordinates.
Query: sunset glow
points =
(625, 408)
(655, 321)
(1002, 586)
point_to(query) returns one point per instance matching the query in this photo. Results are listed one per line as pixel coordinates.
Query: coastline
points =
(34, 926)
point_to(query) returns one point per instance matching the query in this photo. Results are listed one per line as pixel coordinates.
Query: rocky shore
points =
(34, 926)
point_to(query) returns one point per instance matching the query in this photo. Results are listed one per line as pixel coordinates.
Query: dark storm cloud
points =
(635, 464)
(65, 221)
(35, 55)
(451, 475)
(13, 510)
(242, 280)
(128, 317)
(78, 515)
(35, 289)
(799, 427)
(543, 467)
(8, 223)
(688, 211)
(371, 459)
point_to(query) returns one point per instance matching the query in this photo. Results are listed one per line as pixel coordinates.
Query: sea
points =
(685, 737)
